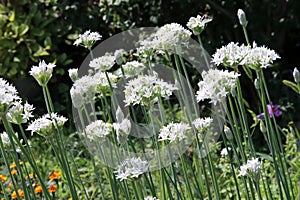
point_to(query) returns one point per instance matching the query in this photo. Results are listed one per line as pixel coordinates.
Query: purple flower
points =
(273, 110)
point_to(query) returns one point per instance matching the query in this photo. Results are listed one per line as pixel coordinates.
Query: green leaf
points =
(291, 85)
(12, 16)
(40, 52)
(23, 29)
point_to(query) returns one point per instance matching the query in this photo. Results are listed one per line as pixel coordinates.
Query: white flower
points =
(98, 129)
(5, 139)
(131, 69)
(173, 131)
(87, 39)
(150, 198)
(131, 168)
(122, 126)
(103, 63)
(46, 124)
(73, 74)
(42, 73)
(197, 24)
(260, 57)
(168, 37)
(216, 85)
(145, 90)
(230, 55)
(224, 152)
(119, 56)
(252, 169)
(203, 124)
(19, 113)
(8, 95)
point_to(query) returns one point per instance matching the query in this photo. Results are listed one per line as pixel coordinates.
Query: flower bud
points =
(242, 18)
(296, 75)
(256, 83)
(262, 127)
(228, 132)
(73, 74)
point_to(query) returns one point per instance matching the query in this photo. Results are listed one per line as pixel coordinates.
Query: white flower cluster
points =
(173, 131)
(4, 138)
(131, 69)
(19, 113)
(87, 39)
(85, 88)
(197, 24)
(8, 95)
(203, 124)
(230, 55)
(42, 73)
(168, 37)
(131, 168)
(252, 168)
(98, 129)
(119, 54)
(112, 2)
(234, 54)
(145, 90)
(45, 124)
(224, 151)
(216, 84)
(103, 63)
(150, 198)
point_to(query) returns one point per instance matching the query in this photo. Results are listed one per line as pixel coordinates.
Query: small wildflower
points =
(38, 189)
(73, 74)
(242, 17)
(103, 63)
(98, 129)
(42, 73)
(296, 75)
(273, 111)
(14, 172)
(145, 90)
(131, 168)
(5, 139)
(216, 85)
(198, 24)
(52, 188)
(20, 193)
(3, 178)
(150, 198)
(54, 175)
(132, 68)
(173, 131)
(87, 39)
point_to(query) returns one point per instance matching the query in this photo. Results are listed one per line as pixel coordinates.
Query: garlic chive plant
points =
(140, 145)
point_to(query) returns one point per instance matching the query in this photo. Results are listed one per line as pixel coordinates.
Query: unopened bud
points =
(262, 127)
(228, 132)
(296, 75)
(256, 84)
(242, 18)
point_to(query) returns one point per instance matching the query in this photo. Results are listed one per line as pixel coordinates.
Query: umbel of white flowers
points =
(42, 73)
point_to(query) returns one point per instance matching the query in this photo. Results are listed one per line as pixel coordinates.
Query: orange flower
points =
(38, 189)
(54, 175)
(52, 188)
(14, 194)
(3, 178)
(31, 176)
(70, 198)
(13, 172)
(14, 165)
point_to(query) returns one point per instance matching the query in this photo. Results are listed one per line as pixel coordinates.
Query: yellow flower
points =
(13, 172)
(3, 178)
(14, 165)
(14, 194)
(38, 189)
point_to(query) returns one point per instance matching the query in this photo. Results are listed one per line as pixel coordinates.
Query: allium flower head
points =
(230, 55)
(131, 69)
(8, 95)
(260, 57)
(46, 124)
(203, 124)
(150, 198)
(197, 24)
(87, 39)
(73, 74)
(252, 169)
(174, 131)
(168, 37)
(103, 63)
(131, 168)
(145, 90)
(42, 73)
(216, 84)
(19, 113)
(5, 139)
(98, 129)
